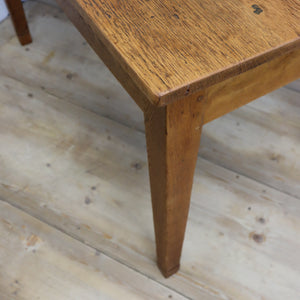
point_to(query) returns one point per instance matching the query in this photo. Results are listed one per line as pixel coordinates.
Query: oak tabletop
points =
(174, 48)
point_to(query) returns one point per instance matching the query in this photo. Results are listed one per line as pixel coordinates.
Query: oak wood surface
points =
(173, 137)
(18, 17)
(172, 48)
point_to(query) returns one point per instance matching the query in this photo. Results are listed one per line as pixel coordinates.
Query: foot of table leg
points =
(16, 10)
(173, 136)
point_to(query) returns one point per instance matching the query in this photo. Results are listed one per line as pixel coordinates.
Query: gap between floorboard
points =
(91, 247)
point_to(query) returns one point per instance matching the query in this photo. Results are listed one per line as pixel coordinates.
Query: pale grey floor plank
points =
(40, 262)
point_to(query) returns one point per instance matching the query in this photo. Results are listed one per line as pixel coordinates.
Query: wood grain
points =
(47, 264)
(61, 64)
(87, 176)
(16, 11)
(259, 140)
(173, 137)
(235, 92)
(172, 49)
(115, 200)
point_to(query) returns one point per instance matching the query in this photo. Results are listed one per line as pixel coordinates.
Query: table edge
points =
(164, 98)
(169, 96)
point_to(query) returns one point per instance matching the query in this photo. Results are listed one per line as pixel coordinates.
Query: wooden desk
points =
(185, 64)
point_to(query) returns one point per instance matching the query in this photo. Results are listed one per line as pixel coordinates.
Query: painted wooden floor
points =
(75, 211)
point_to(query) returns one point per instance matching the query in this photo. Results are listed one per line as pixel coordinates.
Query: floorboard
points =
(47, 264)
(73, 165)
(72, 168)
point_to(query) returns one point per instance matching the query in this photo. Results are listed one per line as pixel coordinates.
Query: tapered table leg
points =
(16, 10)
(173, 136)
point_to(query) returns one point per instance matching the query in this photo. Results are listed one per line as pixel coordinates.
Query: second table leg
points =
(16, 10)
